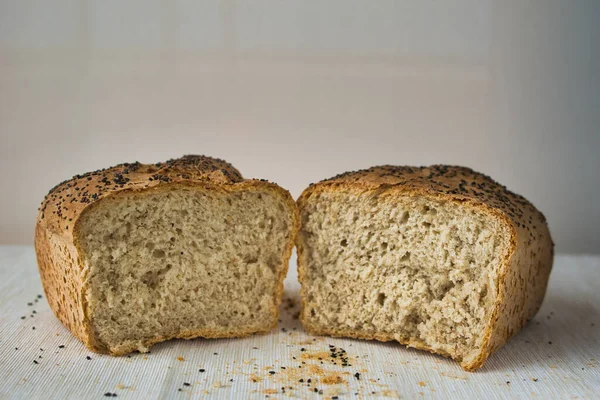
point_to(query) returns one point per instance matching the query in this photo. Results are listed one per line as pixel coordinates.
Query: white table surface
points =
(557, 355)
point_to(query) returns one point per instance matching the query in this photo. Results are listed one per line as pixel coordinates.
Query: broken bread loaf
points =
(438, 258)
(137, 254)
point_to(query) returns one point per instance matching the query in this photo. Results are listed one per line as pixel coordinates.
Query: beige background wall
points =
(297, 91)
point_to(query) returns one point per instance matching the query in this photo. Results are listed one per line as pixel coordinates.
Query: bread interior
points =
(413, 269)
(183, 262)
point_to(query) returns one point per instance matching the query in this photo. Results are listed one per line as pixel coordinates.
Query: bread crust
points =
(523, 275)
(61, 261)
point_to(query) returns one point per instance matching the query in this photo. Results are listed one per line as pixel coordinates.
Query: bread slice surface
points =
(137, 254)
(438, 258)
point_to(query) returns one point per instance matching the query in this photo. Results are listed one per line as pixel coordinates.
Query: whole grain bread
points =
(140, 253)
(438, 258)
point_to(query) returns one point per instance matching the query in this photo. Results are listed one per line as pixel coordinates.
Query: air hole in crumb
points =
(384, 245)
(483, 295)
(251, 259)
(405, 217)
(153, 278)
(444, 290)
(312, 312)
(427, 224)
(344, 243)
(158, 253)
(406, 256)
(414, 319)
(381, 298)
(273, 262)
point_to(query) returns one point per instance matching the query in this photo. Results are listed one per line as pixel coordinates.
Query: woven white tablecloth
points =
(557, 355)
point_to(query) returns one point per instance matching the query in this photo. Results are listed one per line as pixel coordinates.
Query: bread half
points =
(137, 254)
(438, 258)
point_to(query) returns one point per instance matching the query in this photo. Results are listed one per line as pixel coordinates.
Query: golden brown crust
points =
(61, 263)
(524, 273)
(65, 202)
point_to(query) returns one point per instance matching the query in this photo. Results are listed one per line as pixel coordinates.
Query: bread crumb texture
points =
(439, 258)
(137, 254)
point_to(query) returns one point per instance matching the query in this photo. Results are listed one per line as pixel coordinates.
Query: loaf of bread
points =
(137, 254)
(438, 258)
